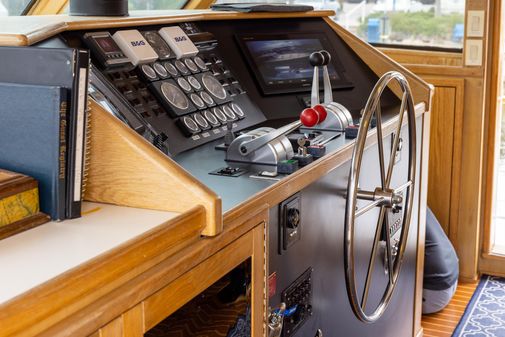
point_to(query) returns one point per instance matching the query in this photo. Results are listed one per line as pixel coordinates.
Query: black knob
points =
(293, 218)
(316, 59)
(327, 57)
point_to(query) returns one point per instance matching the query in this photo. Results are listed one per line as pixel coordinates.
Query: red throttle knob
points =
(309, 117)
(321, 110)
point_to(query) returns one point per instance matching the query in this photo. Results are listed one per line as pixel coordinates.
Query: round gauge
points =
(160, 70)
(206, 98)
(174, 95)
(181, 67)
(184, 84)
(190, 124)
(210, 117)
(238, 110)
(219, 114)
(202, 122)
(199, 62)
(194, 82)
(229, 112)
(148, 71)
(171, 69)
(158, 44)
(213, 86)
(191, 65)
(197, 101)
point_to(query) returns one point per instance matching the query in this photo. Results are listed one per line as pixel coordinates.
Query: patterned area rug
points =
(485, 314)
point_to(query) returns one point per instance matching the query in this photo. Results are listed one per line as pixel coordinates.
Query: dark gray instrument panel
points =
(187, 101)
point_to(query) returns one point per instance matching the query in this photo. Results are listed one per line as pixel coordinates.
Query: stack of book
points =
(43, 122)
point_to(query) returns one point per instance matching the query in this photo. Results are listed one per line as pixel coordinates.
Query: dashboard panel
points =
(185, 85)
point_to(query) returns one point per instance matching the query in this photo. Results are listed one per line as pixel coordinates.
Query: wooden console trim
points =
(42, 7)
(113, 304)
(27, 30)
(124, 169)
(173, 296)
(421, 225)
(40, 308)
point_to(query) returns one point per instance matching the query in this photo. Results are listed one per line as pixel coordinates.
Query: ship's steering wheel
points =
(385, 197)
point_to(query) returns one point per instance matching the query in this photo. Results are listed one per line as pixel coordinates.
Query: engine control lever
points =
(320, 59)
(328, 94)
(309, 117)
(250, 146)
(316, 60)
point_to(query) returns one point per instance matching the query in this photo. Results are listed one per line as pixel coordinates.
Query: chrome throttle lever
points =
(320, 59)
(308, 117)
(316, 60)
(328, 94)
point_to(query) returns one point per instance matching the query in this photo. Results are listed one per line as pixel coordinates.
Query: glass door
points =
(494, 234)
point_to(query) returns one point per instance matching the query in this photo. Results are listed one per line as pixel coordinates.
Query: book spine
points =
(62, 158)
(77, 136)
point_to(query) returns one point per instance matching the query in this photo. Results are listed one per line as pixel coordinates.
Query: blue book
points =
(66, 68)
(33, 139)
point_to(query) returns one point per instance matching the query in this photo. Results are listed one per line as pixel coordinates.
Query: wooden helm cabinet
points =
(130, 288)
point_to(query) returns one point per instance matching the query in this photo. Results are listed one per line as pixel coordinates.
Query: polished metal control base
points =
(271, 153)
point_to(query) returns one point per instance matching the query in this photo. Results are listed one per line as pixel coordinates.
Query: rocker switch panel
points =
(289, 222)
(298, 299)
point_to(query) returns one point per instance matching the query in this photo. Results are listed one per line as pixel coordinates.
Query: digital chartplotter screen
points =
(281, 62)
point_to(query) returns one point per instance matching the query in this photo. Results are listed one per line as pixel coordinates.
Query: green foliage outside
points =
(418, 25)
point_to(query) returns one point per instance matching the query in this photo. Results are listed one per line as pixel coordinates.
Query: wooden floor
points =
(443, 323)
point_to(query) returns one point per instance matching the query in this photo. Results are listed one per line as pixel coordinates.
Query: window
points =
(13, 7)
(428, 23)
(414, 23)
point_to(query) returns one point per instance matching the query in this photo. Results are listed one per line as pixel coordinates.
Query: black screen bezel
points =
(286, 88)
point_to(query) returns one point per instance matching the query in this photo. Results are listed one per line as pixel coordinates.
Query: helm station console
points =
(295, 113)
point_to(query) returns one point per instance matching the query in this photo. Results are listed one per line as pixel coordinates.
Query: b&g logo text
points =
(138, 43)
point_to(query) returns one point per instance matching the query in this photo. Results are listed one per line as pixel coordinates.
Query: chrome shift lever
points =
(328, 94)
(316, 60)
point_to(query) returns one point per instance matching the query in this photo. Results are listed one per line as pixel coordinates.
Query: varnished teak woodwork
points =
(124, 169)
(42, 307)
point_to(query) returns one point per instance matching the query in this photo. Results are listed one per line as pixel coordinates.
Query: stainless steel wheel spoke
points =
(378, 230)
(396, 139)
(403, 187)
(368, 207)
(380, 144)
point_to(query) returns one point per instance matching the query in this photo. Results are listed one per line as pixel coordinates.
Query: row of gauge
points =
(193, 84)
(211, 118)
